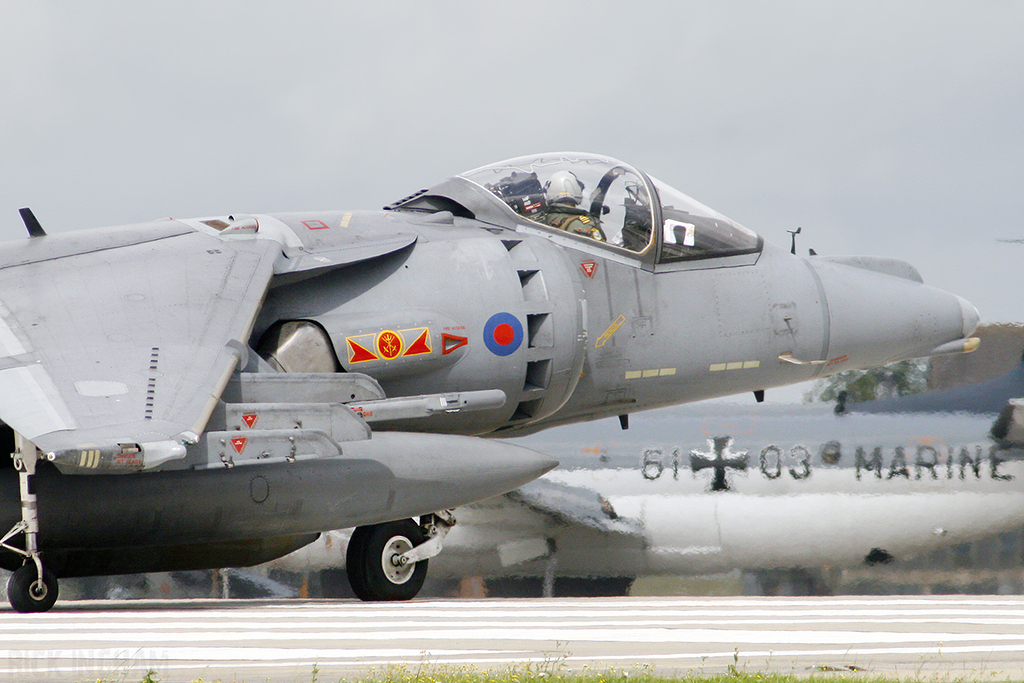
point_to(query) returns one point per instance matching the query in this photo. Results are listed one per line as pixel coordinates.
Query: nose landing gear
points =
(389, 561)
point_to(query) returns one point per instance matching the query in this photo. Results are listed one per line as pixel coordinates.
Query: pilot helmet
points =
(564, 188)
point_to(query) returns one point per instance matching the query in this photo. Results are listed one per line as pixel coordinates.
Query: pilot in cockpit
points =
(563, 193)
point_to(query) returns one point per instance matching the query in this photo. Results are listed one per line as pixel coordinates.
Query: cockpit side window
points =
(592, 197)
(691, 230)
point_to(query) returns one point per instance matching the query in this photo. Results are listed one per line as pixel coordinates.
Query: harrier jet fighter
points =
(214, 392)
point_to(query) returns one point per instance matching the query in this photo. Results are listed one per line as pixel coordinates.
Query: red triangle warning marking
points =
(239, 443)
(357, 353)
(449, 342)
(421, 345)
(589, 268)
(250, 419)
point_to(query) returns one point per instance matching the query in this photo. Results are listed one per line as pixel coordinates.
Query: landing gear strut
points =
(389, 561)
(32, 587)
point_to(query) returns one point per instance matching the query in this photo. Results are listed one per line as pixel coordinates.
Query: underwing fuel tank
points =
(392, 476)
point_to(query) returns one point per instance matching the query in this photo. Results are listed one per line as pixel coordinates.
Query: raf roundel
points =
(503, 334)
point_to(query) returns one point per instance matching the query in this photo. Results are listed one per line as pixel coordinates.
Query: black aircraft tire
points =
(354, 561)
(27, 594)
(368, 561)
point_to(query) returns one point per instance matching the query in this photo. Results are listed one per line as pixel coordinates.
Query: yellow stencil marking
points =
(734, 365)
(654, 372)
(345, 219)
(610, 331)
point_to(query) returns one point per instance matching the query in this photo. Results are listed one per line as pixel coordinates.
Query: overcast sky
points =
(889, 128)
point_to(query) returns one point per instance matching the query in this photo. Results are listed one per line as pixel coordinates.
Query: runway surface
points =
(928, 637)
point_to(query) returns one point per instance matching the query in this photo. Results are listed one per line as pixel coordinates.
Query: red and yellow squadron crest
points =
(389, 345)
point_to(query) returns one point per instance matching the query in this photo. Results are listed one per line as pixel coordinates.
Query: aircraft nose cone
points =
(880, 312)
(970, 316)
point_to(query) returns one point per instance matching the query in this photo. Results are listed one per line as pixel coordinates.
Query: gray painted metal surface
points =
(133, 349)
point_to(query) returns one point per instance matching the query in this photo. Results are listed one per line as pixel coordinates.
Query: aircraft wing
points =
(574, 505)
(115, 344)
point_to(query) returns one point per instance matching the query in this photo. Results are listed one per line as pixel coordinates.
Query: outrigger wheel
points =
(32, 587)
(374, 565)
(28, 592)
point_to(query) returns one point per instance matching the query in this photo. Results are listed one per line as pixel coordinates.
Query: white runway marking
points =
(282, 640)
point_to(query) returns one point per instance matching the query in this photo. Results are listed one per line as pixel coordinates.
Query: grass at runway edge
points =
(639, 675)
(541, 674)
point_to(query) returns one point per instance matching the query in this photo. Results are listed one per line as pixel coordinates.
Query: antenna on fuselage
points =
(792, 244)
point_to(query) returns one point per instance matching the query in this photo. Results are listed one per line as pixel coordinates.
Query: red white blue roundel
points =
(503, 334)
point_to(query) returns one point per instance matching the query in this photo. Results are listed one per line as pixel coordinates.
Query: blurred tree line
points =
(896, 379)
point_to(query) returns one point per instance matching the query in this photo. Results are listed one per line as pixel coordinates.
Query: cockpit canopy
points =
(602, 199)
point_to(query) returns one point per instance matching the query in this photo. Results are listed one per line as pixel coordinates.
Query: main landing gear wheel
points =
(28, 593)
(373, 565)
